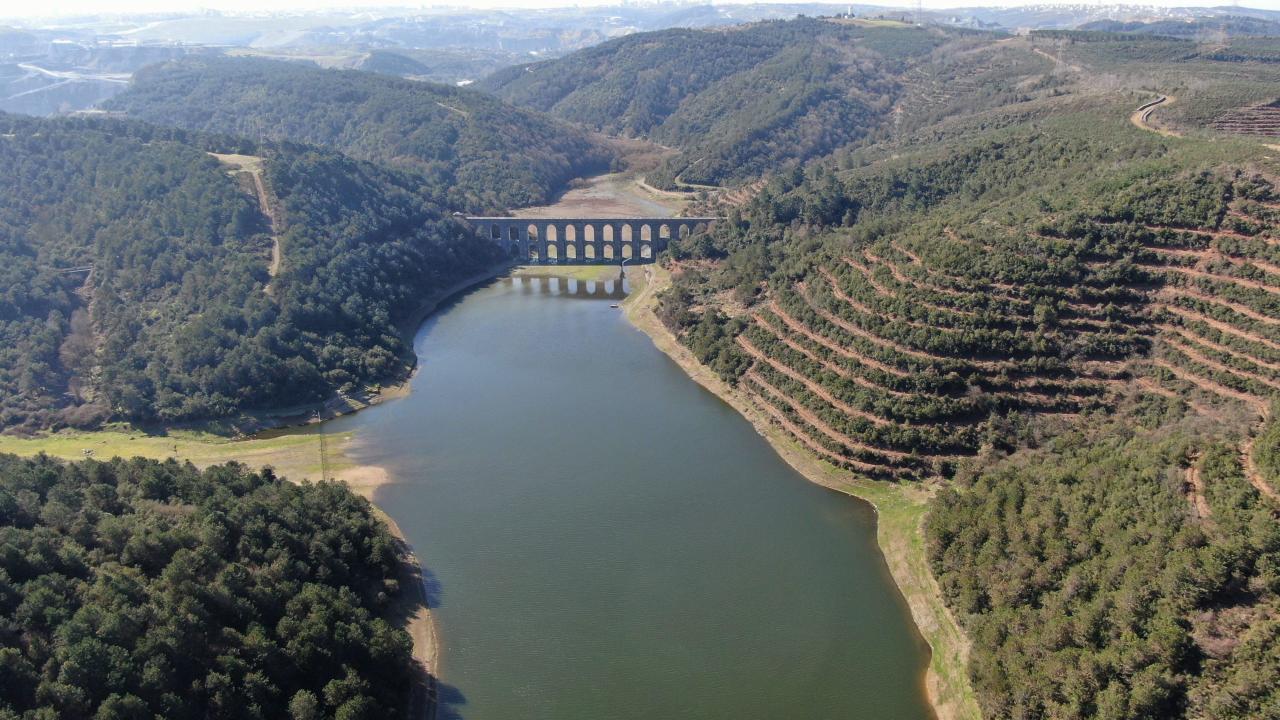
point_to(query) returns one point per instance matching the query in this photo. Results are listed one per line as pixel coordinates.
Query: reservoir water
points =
(607, 540)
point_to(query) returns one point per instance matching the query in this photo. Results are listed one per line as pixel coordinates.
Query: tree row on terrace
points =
(1025, 260)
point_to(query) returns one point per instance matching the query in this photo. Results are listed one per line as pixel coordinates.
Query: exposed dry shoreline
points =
(621, 194)
(946, 682)
(412, 610)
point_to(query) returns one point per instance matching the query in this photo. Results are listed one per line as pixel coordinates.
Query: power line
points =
(324, 454)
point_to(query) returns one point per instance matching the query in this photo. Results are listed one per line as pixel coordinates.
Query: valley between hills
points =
(1020, 292)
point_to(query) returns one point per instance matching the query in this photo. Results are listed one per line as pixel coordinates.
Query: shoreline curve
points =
(946, 682)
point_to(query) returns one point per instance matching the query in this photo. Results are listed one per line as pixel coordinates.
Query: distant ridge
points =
(476, 151)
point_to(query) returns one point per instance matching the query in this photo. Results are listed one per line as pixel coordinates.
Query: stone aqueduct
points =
(584, 241)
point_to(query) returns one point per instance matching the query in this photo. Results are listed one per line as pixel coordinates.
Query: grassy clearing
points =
(293, 452)
(900, 510)
(247, 163)
(295, 455)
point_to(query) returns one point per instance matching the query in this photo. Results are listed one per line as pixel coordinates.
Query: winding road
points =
(1141, 118)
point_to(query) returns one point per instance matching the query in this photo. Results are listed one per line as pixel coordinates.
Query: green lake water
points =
(605, 539)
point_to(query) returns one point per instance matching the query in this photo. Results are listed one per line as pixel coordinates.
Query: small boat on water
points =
(614, 305)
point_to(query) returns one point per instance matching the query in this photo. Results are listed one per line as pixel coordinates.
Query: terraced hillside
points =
(937, 308)
(893, 363)
(1223, 84)
(1217, 309)
(1215, 277)
(1065, 326)
(892, 356)
(1000, 248)
(1256, 120)
(904, 339)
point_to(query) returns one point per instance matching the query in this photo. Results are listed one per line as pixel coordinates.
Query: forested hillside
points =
(744, 101)
(1092, 589)
(1208, 27)
(993, 268)
(140, 589)
(477, 153)
(136, 269)
(1068, 323)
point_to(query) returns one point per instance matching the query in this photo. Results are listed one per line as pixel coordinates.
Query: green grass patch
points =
(295, 455)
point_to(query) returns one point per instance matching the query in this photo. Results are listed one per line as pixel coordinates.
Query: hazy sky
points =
(26, 8)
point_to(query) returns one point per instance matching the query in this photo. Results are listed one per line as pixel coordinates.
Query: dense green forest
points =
(475, 152)
(1089, 590)
(143, 589)
(737, 102)
(1067, 323)
(136, 271)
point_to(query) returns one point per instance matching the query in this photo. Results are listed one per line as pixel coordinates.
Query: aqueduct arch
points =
(585, 240)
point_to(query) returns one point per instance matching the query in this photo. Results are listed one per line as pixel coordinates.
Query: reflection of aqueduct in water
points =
(568, 287)
(585, 241)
